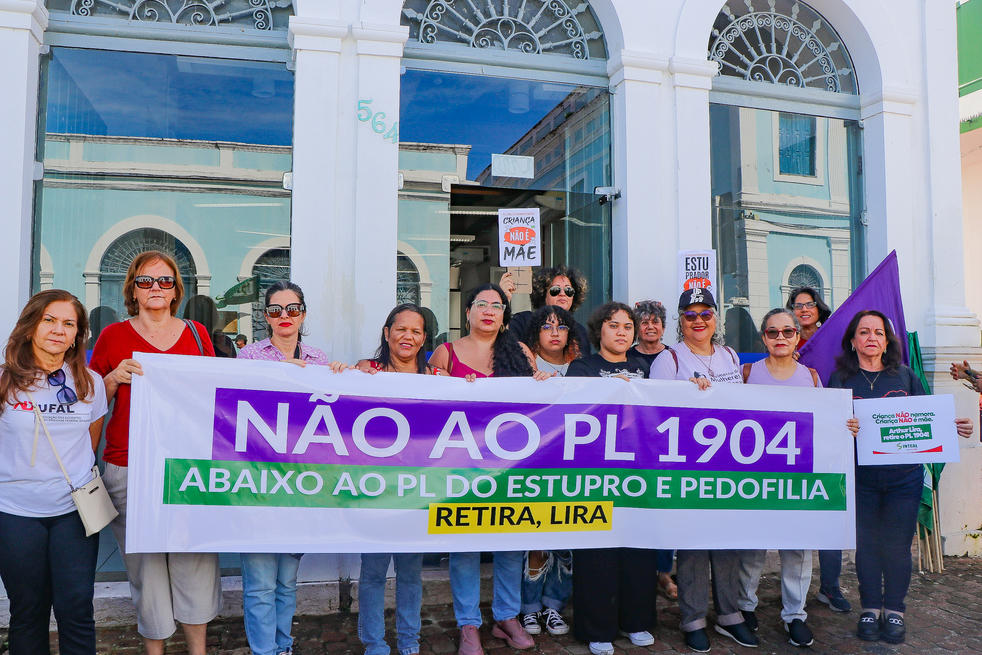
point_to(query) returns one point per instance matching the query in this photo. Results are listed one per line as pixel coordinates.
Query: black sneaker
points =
(740, 633)
(750, 618)
(868, 628)
(697, 640)
(799, 634)
(893, 630)
(834, 599)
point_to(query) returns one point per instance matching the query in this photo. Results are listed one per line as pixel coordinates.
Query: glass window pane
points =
(470, 145)
(787, 208)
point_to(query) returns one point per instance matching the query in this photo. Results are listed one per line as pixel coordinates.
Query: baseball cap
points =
(696, 296)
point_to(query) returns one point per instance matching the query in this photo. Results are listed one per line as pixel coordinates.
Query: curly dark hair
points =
(542, 280)
(847, 364)
(602, 314)
(507, 359)
(650, 308)
(383, 356)
(823, 310)
(540, 317)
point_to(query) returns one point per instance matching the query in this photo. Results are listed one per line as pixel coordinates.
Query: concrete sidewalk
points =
(944, 616)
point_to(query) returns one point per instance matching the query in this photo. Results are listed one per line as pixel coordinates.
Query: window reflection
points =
(787, 201)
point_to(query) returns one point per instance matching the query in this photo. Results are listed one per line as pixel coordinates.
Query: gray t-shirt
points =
(722, 366)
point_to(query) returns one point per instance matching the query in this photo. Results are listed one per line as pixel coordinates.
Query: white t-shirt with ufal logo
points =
(41, 490)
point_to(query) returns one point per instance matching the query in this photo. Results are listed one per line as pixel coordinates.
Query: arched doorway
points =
(271, 267)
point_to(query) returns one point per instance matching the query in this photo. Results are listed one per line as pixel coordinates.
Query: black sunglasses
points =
(787, 333)
(293, 310)
(555, 290)
(146, 281)
(65, 395)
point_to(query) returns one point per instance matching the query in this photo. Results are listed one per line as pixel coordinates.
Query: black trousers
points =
(48, 562)
(613, 589)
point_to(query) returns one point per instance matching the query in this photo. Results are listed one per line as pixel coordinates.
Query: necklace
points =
(702, 360)
(873, 381)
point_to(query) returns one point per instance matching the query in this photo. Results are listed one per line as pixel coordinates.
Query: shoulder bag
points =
(95, 508)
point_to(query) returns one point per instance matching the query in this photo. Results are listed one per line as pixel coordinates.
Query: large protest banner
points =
(253, 456)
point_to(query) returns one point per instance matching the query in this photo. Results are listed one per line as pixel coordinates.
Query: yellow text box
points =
(467, 518)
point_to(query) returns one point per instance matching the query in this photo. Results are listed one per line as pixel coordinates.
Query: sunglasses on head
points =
(705, 315)
(65, 394)
(787, 333)
(293, 310)
(146, 281)
(556, 290)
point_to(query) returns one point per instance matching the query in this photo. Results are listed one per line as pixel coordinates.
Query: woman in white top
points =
(46, 561)
(701, 357)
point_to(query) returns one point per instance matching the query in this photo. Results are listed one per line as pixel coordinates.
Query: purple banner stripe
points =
(273, 426)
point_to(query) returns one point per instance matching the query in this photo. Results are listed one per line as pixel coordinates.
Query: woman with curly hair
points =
(557, 285)
(488, 350)
(810, 310)
(549, 334)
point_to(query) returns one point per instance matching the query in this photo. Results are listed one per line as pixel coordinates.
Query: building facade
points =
(363, 149)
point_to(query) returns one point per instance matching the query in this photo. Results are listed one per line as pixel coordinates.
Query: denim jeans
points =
(48, 562)
(887, 502)
(665, 560)
(269, 599)
(829, 567)
(796, 576)
(465, 584)
(552, 587)
(371, 601)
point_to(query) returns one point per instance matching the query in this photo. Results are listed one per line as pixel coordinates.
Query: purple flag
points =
(881, 291)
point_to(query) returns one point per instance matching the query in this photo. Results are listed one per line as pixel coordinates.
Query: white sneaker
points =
(642, 638)
(601, 648)
(554, 622)
(530, 622)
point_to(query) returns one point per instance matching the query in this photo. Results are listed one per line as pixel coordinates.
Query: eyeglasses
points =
(706, 315)
(811, 304)
(293, 310)
(146, 281)
(556, 290)
(549, 327)
(65, 394)
(787, 333)
(484, 304)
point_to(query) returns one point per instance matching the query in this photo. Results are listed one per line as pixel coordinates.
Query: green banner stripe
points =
(277, 484)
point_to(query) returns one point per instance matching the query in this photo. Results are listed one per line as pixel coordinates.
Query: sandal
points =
(667, 586)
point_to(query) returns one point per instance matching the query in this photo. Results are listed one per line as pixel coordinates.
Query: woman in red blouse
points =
(165, 587)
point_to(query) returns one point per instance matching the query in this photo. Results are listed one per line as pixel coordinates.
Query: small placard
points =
(518, 237)
(697, 268)
(906, 430)
(513, 166)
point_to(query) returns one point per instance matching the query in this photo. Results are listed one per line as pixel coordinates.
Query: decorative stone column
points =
(22, 25)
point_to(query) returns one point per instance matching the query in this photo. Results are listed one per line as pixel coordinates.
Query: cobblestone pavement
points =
(944, 616)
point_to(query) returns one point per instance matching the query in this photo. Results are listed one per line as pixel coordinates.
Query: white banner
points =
(252, 456)
(906, 430)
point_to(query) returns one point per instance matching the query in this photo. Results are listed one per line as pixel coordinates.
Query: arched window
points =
(116, 261)
(804, 275)
(786, 43)
(271, 267)
(786, 152)
(262, 15)
(503, 104)
(529, 27)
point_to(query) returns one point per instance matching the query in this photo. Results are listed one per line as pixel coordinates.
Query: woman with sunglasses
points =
(400, 351)
(488, 350)
(701, 357)
(558, 286)
(780, 330)
(810, 310)
(887, 497)
(46, 561)
(166, 587)
(269, 580)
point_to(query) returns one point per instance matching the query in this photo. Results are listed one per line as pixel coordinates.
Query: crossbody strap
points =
(34, 449)
(194, 333)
